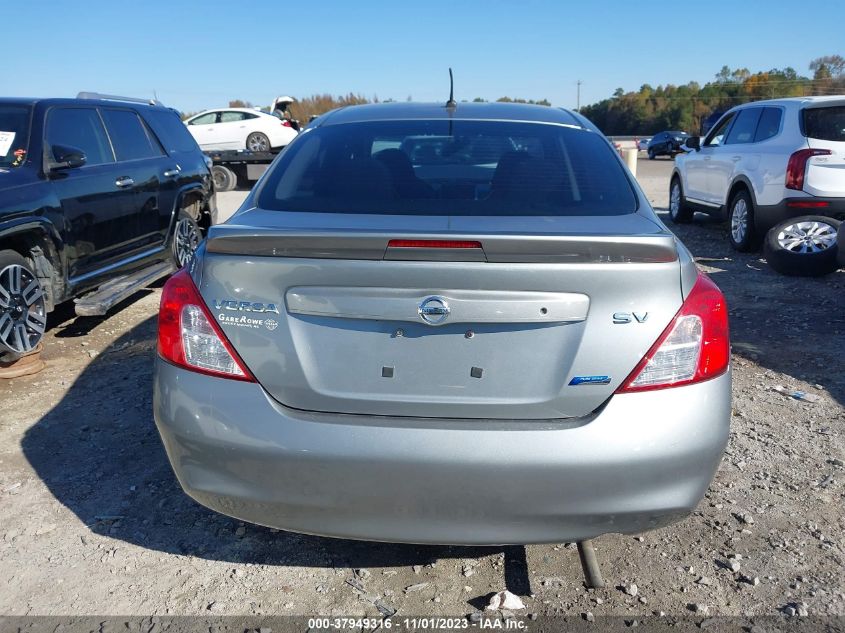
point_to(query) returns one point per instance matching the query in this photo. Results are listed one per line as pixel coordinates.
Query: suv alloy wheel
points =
(679, 212)
(742, 234)
(23, 314)
(187, 235)
(804, 246)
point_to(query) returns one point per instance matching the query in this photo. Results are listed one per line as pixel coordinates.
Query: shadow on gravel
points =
(791, 325)
(100, 455)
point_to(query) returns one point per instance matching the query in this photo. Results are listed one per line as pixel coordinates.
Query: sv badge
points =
(628, 317)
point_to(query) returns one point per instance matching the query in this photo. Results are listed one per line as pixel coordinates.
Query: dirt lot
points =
(93, 521)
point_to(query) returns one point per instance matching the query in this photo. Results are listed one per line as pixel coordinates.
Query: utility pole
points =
(578, 99)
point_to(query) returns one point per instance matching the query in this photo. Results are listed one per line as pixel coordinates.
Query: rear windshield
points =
(14, 135)
(826, 124)
(449, 168)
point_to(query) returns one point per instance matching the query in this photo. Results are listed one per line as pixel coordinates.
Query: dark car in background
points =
(666, 144)
(99, 196)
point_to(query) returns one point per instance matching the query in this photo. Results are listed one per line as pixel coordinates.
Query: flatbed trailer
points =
(234, 167)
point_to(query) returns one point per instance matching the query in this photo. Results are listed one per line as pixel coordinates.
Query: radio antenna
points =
(451, 103)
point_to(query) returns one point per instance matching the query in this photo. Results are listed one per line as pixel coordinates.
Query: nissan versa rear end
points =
(457, 325)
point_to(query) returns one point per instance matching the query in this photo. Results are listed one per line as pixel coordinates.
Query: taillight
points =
(797, 165)
(807, 204)
(188, 335)
(694, 347)
(286, 123)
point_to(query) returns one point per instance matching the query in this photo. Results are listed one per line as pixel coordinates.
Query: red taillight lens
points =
(807, 204)
(286, 123)
(797, 166)
(433, 244)
(695, 346)
(189, 337)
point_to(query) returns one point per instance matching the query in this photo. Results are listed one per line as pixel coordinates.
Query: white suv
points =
(763, 163)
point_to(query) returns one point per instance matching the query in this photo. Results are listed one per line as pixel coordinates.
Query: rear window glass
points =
(826, 124)
(449, 168)
(769, 124)
(128, 135)
(745, 126)
(170, 130)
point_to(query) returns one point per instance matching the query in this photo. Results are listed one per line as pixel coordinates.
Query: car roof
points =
(248, 110)
(466, 111)
(794, 101)
(31, 101)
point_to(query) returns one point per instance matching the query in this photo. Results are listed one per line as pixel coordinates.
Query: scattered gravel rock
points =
(385, 609)
(631, 590)
(417, 587)
(744, 517)
(749, 580)
(697, 607)
(505, 600)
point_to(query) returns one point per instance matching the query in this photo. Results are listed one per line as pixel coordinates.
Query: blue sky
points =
(201, 54)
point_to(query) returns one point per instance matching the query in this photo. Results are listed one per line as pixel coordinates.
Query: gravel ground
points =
(93, 521)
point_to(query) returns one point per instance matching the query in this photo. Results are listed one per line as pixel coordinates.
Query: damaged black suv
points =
(99, 196)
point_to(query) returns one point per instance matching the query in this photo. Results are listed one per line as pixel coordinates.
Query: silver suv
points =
(763, 163)
(440, 324)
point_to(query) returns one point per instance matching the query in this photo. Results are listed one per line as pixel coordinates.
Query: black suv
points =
(99, 196)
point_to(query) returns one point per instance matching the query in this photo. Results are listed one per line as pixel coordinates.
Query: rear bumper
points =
(644, 461)
(767, 216)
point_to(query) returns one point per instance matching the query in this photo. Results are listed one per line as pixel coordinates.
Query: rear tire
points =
(258, 142)
(742, 234)
(224, 178)
(670, 150)
(679, 212)
(804, 247)
(187, 236)
(650, 154)
(23, 311)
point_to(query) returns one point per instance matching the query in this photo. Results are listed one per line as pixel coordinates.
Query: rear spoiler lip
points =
(497, 248)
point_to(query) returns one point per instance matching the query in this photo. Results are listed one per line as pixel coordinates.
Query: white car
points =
(240, 128)
(642, 144)
(764, 164)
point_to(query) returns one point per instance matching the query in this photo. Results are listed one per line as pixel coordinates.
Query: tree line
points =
(650, 110)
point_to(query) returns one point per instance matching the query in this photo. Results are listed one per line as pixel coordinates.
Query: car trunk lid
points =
(543, 319)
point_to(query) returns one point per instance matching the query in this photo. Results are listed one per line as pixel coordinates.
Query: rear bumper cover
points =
(767, 216)
(642, 462)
